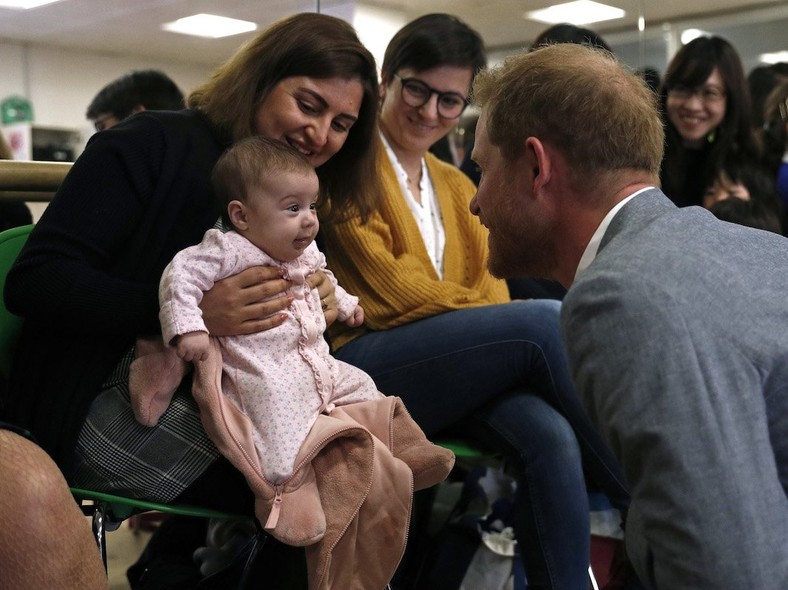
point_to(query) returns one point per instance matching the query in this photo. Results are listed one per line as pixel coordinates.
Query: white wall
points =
(376, 26)
(60, 83)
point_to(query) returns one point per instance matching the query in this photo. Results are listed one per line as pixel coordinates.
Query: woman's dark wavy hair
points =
(432, 41)
(316, 46)
(691, 67)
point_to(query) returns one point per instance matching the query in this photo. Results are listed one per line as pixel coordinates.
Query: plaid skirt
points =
(116, 454)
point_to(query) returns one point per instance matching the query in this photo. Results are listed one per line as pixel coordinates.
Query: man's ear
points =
(538, 160)
(236, 211)
(137, 108)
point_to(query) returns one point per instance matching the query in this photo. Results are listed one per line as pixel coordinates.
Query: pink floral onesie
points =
(282, 378)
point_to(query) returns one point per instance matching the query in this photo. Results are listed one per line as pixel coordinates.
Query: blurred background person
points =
(742, 179)
(566, 33)
(131, 93)
(706, 107)
(744, 193)
(761, 80)
(775, 144)
(750, 213)
(652, 77)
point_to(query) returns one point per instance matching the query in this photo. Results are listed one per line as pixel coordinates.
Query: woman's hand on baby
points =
(357, 318)
(239, 304)
(192, 346)
(325, 288)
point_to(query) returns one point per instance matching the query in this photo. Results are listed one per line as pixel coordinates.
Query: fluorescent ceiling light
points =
(688, 35)
(24, 3)
(581, 12)
(774, 58)
(209, 25)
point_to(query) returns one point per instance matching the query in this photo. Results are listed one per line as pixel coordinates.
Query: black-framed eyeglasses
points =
(416, 93)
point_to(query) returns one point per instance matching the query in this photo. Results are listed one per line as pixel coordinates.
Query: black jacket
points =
(87, 280)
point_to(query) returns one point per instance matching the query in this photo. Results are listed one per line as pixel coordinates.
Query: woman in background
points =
(775, 145)
(706, 107)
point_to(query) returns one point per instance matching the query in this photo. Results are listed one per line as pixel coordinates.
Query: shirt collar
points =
(593, 246)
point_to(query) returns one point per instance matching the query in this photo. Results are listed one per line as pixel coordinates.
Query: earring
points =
(711, 136)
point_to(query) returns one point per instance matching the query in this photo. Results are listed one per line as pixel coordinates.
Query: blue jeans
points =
(499, 375)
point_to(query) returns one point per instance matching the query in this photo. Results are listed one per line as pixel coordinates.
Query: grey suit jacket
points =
(677, 337)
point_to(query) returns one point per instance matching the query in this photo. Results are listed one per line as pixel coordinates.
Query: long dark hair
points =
(317, 46)
(691, 67)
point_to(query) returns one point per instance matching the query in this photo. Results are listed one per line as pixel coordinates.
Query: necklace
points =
(413, 182)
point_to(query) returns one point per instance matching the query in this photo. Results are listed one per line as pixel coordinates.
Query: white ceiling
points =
(131, 27)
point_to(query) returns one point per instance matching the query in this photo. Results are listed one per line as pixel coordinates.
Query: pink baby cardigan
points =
(282, 378)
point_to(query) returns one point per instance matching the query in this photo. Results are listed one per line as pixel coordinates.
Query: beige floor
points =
(123, 547)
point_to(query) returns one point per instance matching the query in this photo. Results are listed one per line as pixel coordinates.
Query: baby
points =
(276, 403)
(282, 378)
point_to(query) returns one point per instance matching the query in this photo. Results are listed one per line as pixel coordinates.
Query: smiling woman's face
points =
(415, 129)
(313, 115)
(696, 112)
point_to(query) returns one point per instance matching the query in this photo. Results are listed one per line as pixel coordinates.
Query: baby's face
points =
(281, 214)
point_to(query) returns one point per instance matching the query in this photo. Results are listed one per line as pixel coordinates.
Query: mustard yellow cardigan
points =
(385, 263)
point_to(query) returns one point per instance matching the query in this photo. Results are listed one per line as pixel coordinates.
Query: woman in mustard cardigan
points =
(442, 333)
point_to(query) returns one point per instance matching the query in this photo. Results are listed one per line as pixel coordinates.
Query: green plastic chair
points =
(108, 511)
(11, 242)
(464, 449)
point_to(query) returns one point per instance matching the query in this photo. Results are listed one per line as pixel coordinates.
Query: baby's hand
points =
(192, 346)
(357, 318)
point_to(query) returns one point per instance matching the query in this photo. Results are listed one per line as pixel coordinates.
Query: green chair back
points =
(11, 242)
(463, 449)
(118, 508)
